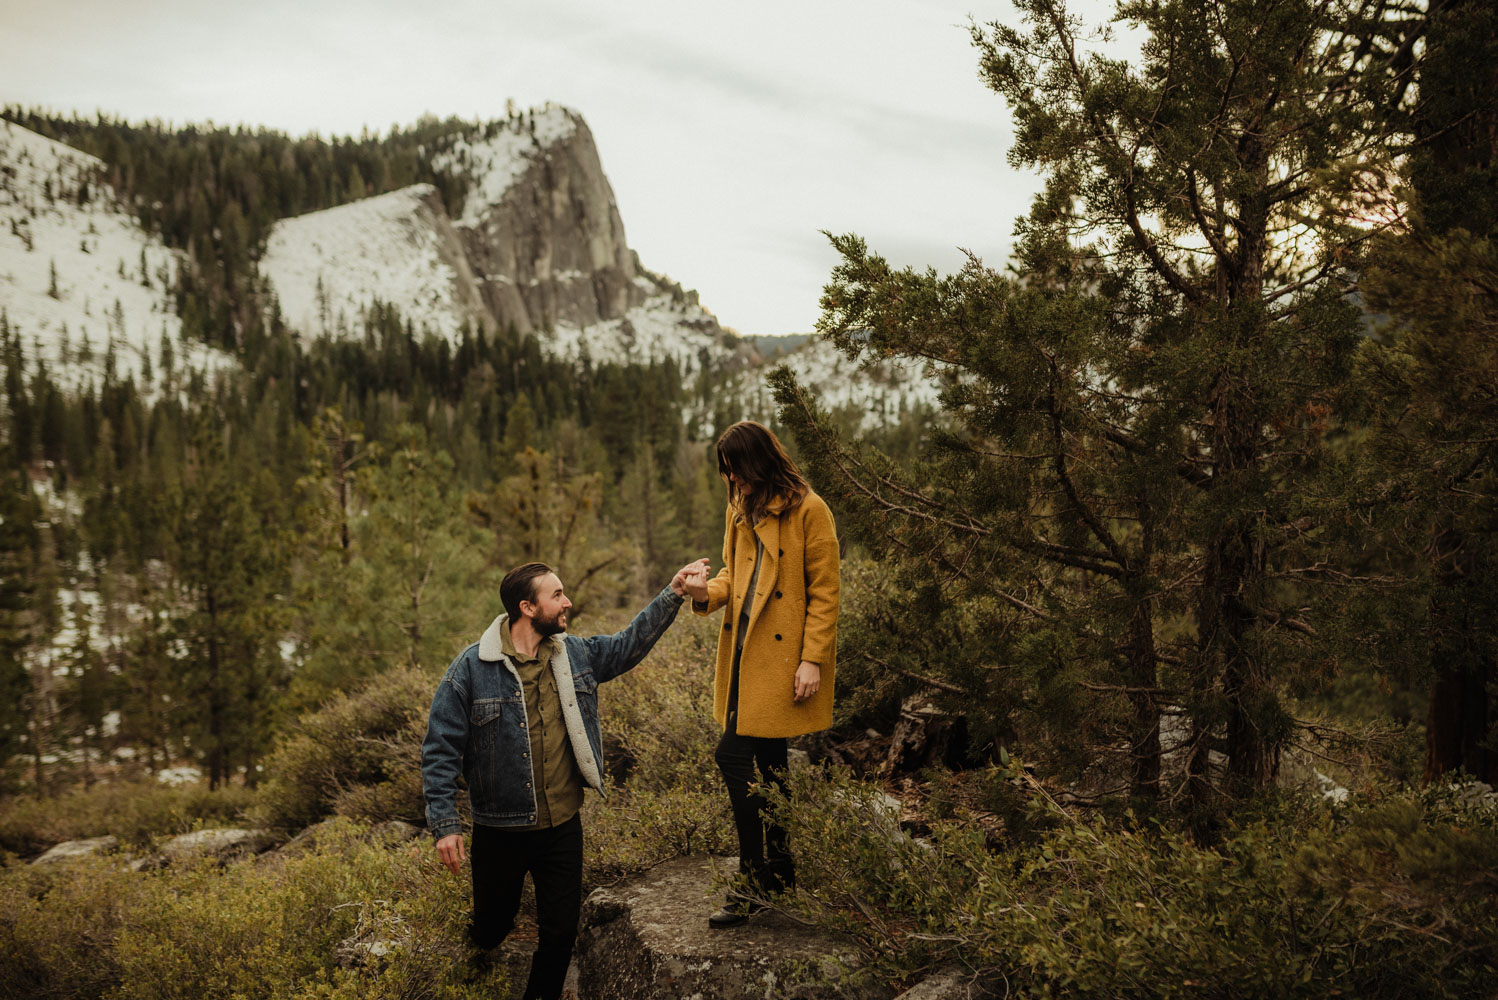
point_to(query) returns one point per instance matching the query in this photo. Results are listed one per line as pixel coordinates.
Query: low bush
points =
(133, 811)
(1393, 896)
(269, 928)
(673, 802)
(359, 755)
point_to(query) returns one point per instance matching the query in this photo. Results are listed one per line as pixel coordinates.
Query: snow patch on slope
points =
(879, 395)
(494, 158)
(660, 328)
(80, 281)
(328, 266)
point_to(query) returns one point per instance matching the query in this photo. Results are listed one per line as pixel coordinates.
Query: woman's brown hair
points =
(755, 457)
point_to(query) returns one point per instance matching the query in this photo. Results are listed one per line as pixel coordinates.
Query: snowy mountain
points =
(80, 282)
(538, 245)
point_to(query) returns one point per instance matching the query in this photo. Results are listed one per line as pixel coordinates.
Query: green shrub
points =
(266, 928)
(133, 811)
(1392, 898)
(673, 802)
(359, 755)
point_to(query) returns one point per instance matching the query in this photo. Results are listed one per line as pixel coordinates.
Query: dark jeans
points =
(554, 859)
(763, 852)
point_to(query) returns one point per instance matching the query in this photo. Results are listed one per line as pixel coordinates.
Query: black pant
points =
(554, 857)
(763, 853)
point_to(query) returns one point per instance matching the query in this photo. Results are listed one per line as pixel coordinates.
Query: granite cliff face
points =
(538, 245)
(541, 224)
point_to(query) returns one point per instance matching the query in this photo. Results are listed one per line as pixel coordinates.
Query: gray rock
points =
(394, 831)
(948, 984)
(553, 249)
(70, 849)
(223, 844)
(648, 937)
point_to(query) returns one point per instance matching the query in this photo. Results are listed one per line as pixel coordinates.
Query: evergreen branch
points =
(1202, 223)
(1279, 619)
(1108, 138)
(1060, 554)
(919, 678)
(1091, 519)
(837, 454)
(1124, 689)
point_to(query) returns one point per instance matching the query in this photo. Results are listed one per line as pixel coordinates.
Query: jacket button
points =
(727, 627)
(777, 636)
(780, 551)
(527, 784)
(779, 594)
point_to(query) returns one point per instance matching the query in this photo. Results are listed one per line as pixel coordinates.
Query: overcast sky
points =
(732, 134)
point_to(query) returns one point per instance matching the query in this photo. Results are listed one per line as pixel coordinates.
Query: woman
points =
(778, 590)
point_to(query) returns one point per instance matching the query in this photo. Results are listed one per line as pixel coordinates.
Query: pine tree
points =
(1135, 420)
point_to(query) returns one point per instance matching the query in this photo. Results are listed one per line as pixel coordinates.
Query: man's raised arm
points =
(614, 654)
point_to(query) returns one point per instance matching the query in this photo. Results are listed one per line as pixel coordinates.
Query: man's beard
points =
(554, 626)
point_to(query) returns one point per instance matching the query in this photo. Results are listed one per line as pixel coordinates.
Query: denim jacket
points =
(477, 724)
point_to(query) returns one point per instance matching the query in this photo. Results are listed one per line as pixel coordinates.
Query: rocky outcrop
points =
(948, 984)
(648, 937)
(541, 225)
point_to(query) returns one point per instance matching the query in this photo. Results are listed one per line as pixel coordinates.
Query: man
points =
(517, 716)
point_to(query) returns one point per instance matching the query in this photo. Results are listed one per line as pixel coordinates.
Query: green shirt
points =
(554, 774)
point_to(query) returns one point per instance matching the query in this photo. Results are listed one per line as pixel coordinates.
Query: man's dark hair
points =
(519, 585)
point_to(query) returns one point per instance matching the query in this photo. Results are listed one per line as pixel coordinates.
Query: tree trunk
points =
(1144, 747)
(1461, 711)
(216, 765)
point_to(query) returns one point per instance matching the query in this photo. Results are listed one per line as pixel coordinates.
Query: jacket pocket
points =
(486, 710)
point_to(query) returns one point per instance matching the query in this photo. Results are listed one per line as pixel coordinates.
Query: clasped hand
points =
(691, 580)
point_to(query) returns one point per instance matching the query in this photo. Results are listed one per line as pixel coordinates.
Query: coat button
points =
(779, 594)
(727, 627)
(780, 551)
(777, 636)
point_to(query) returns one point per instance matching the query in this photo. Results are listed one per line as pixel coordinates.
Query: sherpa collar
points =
(492, 642)
(496, 641)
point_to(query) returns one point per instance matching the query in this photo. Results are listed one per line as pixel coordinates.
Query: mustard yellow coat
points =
(792, 617)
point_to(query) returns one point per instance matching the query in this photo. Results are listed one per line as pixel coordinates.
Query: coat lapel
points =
(768, 531)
